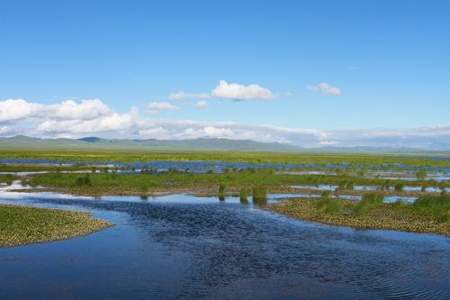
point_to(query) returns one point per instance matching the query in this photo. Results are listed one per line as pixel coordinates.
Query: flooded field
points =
(181, 246)
(389, 171)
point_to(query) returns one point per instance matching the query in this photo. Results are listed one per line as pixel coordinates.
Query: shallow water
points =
(181, 246)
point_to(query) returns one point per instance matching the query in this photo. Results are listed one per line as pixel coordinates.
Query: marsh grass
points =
(350, 160)
(22, 225)
(8, 179)
(368, 201)
(221, 192)
(398, 187)
(421, 174)
(137, 183)
(429, 214)
(259, 195)
(327, 204)
(44, 167)
(84, 180)
(436, 206)
(243, 196)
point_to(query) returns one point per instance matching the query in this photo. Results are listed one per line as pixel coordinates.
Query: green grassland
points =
(355, 160)
(430, 214)
(24, 225)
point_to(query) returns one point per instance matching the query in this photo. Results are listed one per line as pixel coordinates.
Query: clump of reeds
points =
(368, 201)
(243, 196)
(259, 195)
(221, 192)
(327, 204)
(83, 180)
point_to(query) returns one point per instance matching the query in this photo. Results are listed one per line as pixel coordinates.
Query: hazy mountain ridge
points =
(207, 144)
(145, 144)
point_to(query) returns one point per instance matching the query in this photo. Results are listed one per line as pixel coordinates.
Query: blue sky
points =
(390, 60)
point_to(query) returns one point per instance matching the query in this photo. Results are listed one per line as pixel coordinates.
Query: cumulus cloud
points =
(181, 95)
(325, 89)
(201, 104)
(84, 110)
(17, 109)
(74, 119)
(69, 118)
(228, 90)
(124, 124)
(156, 107)
(237, 91)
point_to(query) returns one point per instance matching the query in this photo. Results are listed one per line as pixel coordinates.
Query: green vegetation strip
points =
(43, 167)
(23, 225)
(430, 214)
(122, 184)
(420, 160)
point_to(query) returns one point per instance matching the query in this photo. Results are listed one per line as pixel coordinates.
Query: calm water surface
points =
(183, 247)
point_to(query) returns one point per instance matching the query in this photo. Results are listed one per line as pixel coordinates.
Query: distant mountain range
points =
(209, 144)
(206, 144)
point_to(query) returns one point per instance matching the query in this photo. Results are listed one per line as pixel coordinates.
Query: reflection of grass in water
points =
(427, 214)
(23, 225)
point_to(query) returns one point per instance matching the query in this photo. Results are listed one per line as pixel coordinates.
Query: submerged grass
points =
(23, 225)
(430, 214)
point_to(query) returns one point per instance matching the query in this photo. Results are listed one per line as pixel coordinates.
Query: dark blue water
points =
(182, 247)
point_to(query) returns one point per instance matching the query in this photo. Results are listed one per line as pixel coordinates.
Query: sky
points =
(309, 73)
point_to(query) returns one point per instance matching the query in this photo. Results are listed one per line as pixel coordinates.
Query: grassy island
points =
(429, 214)
(24, 225)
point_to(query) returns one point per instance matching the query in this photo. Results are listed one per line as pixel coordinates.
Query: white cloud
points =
(114, 122)
(17, 109)
(325, 89)
(84, 110)
(181, 95)
(201, 104)
(228, 90)
(73, 119)
(156, 107)
(237, 91)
